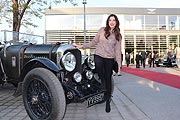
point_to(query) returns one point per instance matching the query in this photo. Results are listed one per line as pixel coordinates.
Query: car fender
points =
(39, 62)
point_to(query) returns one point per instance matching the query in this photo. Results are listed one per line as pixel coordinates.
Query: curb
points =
(128, 109)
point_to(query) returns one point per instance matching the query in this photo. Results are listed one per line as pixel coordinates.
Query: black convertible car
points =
(49, 76)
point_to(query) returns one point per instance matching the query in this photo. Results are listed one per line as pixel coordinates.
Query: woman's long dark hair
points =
(116, 28)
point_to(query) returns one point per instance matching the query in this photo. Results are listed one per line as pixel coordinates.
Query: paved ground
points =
(134, 98)
(12, 108)
(155, 100)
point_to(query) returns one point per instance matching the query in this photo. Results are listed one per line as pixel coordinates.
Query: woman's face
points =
(112, 22)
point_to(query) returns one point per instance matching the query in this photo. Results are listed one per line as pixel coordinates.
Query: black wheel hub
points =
(38, 99)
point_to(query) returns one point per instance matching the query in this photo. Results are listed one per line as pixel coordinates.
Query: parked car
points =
(165, 61)
(49, 76)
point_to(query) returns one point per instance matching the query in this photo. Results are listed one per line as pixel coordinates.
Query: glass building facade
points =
(147, 29)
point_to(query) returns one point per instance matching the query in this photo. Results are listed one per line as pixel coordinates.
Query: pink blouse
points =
(106, 48)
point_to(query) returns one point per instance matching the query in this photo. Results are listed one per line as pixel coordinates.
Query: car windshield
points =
(10, 38)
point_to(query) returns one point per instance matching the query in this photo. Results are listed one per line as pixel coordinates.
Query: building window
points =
(163, 42)
(128, 22)
(140, 42)
(151, 22)
(172, 40)
(129, 41)
(172, 22)
(94, 22)
(152, 42)
(162, 22)
(178, 23)
(139, 22)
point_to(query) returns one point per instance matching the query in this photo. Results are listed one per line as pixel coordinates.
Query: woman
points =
(108, 49)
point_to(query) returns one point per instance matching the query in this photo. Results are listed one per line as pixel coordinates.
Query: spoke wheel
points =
(43, 95)
(38, 99)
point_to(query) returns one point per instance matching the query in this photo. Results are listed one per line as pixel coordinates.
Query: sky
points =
(105, 3)
(129, 3)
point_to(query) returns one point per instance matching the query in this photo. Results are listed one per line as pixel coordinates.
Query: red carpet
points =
(164, 78)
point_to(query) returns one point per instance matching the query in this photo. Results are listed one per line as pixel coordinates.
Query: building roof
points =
(115, 10)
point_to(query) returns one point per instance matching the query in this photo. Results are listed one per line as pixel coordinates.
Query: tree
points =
(22, 11)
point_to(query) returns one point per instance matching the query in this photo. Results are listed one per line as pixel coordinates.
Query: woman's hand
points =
(78, 46)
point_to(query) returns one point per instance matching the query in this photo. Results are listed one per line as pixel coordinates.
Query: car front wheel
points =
(43, 95)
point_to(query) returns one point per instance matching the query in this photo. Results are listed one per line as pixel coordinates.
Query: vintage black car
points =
(49, 76)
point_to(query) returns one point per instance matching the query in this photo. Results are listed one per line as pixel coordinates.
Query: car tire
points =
(43, 95)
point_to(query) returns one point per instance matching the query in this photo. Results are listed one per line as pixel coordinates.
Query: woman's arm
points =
(94, 41)
(118, 52)
(78, 46)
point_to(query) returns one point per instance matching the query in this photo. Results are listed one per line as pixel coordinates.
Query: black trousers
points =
(127, 62)
(104, 69)
(143, 62)
(152, 62)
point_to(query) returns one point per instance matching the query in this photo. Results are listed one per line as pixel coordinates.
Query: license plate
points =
(94, 99)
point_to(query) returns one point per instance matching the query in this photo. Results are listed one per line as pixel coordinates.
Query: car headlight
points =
(69, 61)
(77, 77)
(89, 75)
(90, 62)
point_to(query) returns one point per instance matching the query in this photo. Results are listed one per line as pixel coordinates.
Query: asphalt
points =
(134, 98)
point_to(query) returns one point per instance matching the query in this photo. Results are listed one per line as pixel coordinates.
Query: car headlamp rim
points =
(90, 62)
(77, 77)
(68, 61)
(89, 75)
